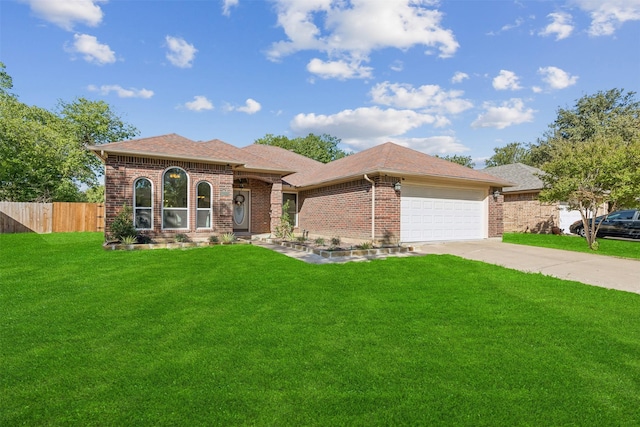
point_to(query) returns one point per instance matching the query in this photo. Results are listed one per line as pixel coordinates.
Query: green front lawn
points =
(607, 246)
(240, 335)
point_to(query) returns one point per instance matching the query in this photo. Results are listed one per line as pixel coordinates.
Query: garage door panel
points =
(429, 214)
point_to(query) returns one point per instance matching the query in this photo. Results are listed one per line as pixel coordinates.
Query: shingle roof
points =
(300, 171)
(392, 159)
(288, 160)
(173, 146)
(524, 176)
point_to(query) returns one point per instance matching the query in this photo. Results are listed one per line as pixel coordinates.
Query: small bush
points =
(143, 239)
(335, 241)
(319, 241)
(128, 240)
(213, 239)
(365, 245)
(301, 239)
(181, 238)
(228, 238)
(122, 226)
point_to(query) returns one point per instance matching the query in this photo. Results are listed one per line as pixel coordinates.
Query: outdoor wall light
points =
(397, 186)
(496, 194)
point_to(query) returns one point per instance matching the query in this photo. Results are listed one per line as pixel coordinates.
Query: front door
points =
(241, 212)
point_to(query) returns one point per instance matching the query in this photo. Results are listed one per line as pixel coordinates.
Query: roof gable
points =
(392, 159)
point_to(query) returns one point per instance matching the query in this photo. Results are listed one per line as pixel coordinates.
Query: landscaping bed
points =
(343, 252)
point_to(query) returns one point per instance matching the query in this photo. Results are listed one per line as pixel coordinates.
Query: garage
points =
(432, 214)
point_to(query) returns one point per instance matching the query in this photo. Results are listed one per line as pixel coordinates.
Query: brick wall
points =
(344, 210)
(496, 213)
(523, 212)
(122, 171)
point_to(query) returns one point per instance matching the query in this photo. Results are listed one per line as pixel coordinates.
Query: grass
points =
(240, 335)
(610, 247)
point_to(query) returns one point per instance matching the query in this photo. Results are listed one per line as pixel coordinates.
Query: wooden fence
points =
(55, 217)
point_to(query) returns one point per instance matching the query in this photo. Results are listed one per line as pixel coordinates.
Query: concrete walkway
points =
(592, 269)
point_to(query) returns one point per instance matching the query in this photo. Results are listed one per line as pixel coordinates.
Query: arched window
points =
(204, 205)
(174, 199)
(143, 204)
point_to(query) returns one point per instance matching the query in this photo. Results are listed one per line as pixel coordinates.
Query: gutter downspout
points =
(373, 207)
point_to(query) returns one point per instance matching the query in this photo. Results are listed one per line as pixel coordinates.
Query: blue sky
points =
(442, 77)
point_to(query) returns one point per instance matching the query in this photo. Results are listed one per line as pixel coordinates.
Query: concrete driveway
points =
(592, 269)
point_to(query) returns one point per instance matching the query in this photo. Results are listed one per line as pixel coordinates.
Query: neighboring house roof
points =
(524, 176)
(391, 159)
(300, 171)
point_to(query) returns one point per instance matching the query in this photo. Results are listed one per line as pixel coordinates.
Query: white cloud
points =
(92, 50)
(441, 144)
(509, 113)
(199, 103)
(607, 16)
(121, 92)
(181, 54)
(557, 78)
(251, 107)
(227, 5)
(338, 69)
(397, 66)
(65, 13)
(362, 122)
(429, 98)
(560, 25)
(506, 80)
(507, 27)
(459, 77)
(350, 31)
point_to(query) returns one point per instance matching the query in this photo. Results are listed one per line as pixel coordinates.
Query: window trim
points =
(210, 208)
(185, 209)
(136, 208)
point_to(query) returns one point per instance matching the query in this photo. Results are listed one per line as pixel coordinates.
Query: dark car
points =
(617, 224)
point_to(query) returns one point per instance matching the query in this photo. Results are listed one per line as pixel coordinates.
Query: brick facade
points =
(523, 212)
(121, 172)
(344, 210)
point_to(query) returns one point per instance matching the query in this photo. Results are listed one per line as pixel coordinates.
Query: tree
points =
(43, 155)
(321, 148)
(461, 160)
(593, 153)
(515, 152)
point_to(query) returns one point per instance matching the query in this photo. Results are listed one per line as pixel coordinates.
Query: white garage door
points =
(429, 214)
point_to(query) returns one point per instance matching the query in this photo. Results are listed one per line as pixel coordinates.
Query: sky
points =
(442, 77)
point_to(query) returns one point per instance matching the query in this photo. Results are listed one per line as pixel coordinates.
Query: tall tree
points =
(515, 152)
(593, 156)
(322, 148)
(43, 155)
(461, 160)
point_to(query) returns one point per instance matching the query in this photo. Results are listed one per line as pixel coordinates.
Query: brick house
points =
(522, 210)
(387, 193)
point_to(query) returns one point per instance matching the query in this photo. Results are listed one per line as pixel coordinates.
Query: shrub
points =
(319, 241)
(181, 238)
(365, 245)
(122, 226)
(335, 241)
(301, 239)
(284, 230)
(128, 240)
(213, 239)
(228, 238)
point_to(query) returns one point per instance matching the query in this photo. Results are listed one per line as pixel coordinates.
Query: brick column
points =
(496, 215)
(276, 205)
